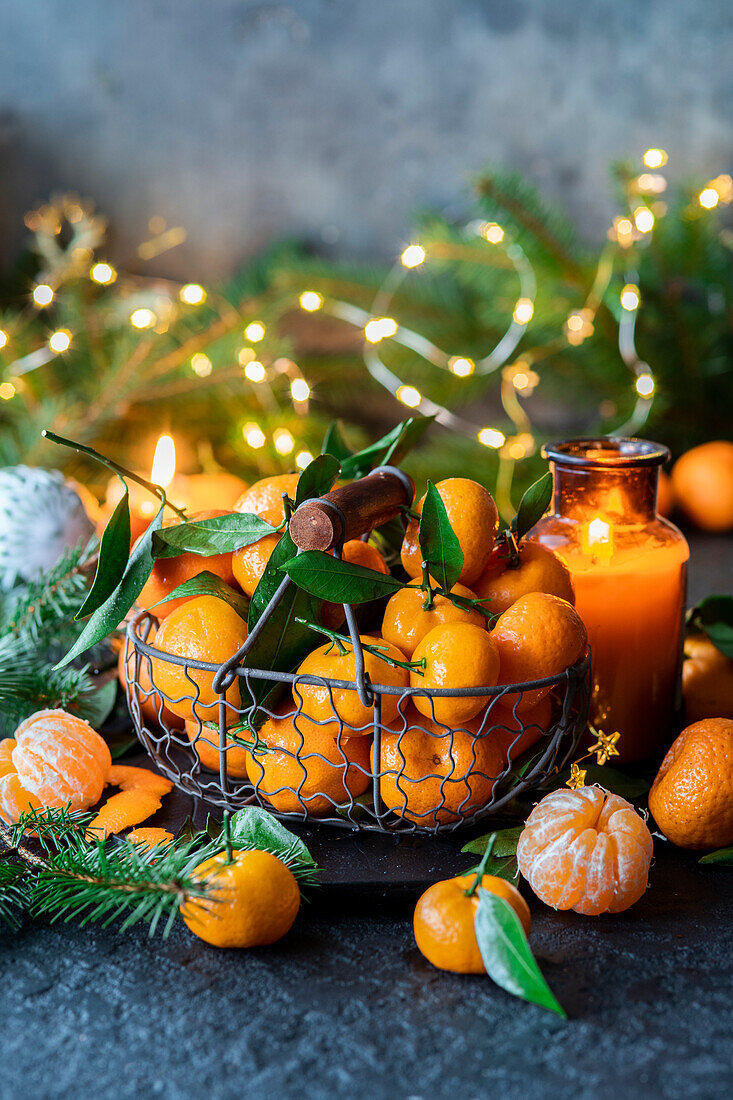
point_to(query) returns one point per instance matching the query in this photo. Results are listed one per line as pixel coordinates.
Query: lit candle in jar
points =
(629, 571)
(143, 504)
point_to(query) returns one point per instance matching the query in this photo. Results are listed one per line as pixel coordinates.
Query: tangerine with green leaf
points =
(336, 661)
(474, 518)
(205, 741)
(265, 497)
(250, 562)
(536, 569)
(407, 620)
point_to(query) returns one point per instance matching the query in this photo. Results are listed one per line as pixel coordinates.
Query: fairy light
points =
(651, 184)
(523, 311)
(201, 365)
(409, 396)
(3, 337)
(255, 371)
(645, 385)
(461, 366)
(42, 295)
(643, 219)
(654, 158)
(142, 318)
(299, 389)
(103, 274)
(60, 340)
(492, 232)
(708, 198)
(413, 256)
(192, 294)
(579, 326)
(284, 442)
(520, 445)
(491, 437)
(310, 301)
(245, 356)
(630, 297)
(379, 328)
(7, 391)
(253, 435)
(303, 459)
(255, 331)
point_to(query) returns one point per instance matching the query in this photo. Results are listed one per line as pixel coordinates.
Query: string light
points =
(708, 198)
(379, 328)
(492, 232)
(299, 389)
(645, 385)
(523, 311)
(643, 219)
(655, 158)
(201, 365)
(142, 318)
(42, 295)
(60, 340)
(409, 396)
(7, 391)
(310, 301)
(103, 273)
(491, 437)
(3, 337)
(245, 356)
(630, 297)
(255, 371)
(253, 435)
(461, 366)
(303, 459)
(192, 294)
(413, 256)
(284, 442)
(651, 185)
(255, 331)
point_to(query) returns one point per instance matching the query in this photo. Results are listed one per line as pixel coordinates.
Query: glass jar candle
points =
(629, 568)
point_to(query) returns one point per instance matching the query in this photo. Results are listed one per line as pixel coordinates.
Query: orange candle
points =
(629, 568)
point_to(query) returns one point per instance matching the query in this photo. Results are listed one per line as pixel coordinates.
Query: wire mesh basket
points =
(396, 769)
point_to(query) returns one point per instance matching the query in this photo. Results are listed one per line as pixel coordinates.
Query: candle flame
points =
(164, 462)
(599, 530)
(598, 538)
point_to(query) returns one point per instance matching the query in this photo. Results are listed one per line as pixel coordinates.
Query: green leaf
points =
(505, 843)
(391, 448)
(534, 504)
(96, 706)
(254, 827)
(333, 442)
(628, 786)
(339, 581)
(715, 616)
(439, 544)
(504, 867)
(108, 617)
(208, 584)
(215, 535)
(114, 552)
(318, 477)
(506, 953)
(722, 856)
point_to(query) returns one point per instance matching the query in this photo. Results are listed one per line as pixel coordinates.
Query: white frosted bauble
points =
(40, 517)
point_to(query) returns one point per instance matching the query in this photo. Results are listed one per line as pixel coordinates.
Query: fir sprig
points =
(13, 892)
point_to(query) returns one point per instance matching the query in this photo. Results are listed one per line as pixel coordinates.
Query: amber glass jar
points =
(629, 568)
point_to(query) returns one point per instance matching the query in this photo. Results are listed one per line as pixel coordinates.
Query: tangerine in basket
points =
(204, 628)
(265, 497)
(444, 921)
(140, 796)
(249, 562)
(434, 776)
(205, 741)
(540, 635)
(702, 482)
(707, 680)
(406, 620)
(539, 570)
(168, 573)
(692, 796)
(304, 768)
(586, 850)
(474, 518)
(358, 553)
(150, 701)
(514, 733)
(456, 655)
(336, 661)
(57, 760)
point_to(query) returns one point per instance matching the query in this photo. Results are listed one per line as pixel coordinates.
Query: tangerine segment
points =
(474, 518)
(254, 900)
(6, 756)
(305, 767)
(250, 562)
(585, 850)
(60, 759)
(121, 810)
(325, 704)
(539, 570)
(203, 629)
(444, 921)
(265, 497)
(205, 741)
(692, 796)
(456, 655)
(431, 775)
(406, 620)
(14, 800)
(540, 635)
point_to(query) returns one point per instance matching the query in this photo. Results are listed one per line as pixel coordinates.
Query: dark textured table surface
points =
(346, 1006)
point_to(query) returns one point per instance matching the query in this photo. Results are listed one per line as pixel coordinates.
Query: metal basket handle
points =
(351, 511)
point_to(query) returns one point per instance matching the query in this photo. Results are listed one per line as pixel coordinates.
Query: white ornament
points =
(40, 517)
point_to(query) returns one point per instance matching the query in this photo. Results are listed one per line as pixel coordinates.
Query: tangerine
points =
(586, 850)
(538, 570)
(707, 680)
(444, 921)
(205, 741)
(265, 497)
(406, 620)
(168, 573)
(336, 661)
(152, 708)
(456, 655)
(514, 733)
(254, 900)
(474, 518)
(692, 796)
(249, 562)
(702, 481)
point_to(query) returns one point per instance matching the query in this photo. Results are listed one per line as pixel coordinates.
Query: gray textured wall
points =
(335, 120)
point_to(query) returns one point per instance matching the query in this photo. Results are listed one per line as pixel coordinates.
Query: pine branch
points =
(13, 893)
(50, 602)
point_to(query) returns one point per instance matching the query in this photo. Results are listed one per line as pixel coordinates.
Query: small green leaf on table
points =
(318, 477)
(333, 442)
(213, 535)
(439, 544)
(114, 553)
(534, 504)
(330, 578)
(208, 584)
(111, 613)
(505, 843)
(506, 953)
(254, 827)
(723, 857)
(714, 615)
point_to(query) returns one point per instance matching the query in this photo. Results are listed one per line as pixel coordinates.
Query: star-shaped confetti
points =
(605, 746)
(577, 777)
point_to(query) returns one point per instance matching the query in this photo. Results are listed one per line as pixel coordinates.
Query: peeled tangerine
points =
(586, 850)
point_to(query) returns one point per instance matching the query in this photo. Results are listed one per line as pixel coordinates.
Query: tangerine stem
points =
(481, 867)
(427, 588)
(227, 837)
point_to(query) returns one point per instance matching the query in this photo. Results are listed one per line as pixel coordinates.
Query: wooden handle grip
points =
(359, 507)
